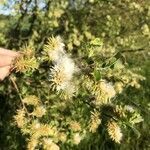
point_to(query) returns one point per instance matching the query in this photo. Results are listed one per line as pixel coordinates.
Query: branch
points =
(133, 50)
(17, 90)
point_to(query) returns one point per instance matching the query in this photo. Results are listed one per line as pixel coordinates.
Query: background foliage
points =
(122, 26)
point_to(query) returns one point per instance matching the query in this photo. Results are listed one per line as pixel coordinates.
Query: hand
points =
(6, 60)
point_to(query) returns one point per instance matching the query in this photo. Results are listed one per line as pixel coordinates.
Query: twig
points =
(21, 99)
(16, 87)
(133, 50)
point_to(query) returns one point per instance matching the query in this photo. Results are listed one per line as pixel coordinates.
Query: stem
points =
(17, 89)
(133, 50)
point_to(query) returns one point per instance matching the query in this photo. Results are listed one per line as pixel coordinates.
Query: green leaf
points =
(97, 75)
(134, 129)
(109, 62)
(97, 42)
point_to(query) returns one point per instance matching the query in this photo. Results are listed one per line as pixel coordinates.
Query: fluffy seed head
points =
(118, 87)
(32, 144)
(26, 61)
(95, 121)
(58, 78)
(48, 144)
(75, 126)
(20, 118)
(62, 137)
(61, 75)
(103, 91)
(77, 138)
(31, 100)
(39, 111)
(44, 130)
(54, 48)
(114, 131)
(69, 66)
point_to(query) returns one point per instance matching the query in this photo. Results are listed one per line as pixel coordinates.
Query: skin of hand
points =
(6, 60)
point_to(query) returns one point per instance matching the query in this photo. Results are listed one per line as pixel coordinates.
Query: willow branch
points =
(17, 89)
(133, 50)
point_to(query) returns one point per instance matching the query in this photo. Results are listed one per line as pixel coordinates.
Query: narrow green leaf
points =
(97, 75)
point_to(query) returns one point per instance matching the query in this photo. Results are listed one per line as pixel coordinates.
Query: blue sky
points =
(7, 11)
(4, 11)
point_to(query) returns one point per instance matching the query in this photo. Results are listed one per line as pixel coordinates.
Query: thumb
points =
(4, 71)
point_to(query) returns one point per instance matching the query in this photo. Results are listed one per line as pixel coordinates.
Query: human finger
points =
(11, 53)
(4, 71)
(6, 60)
